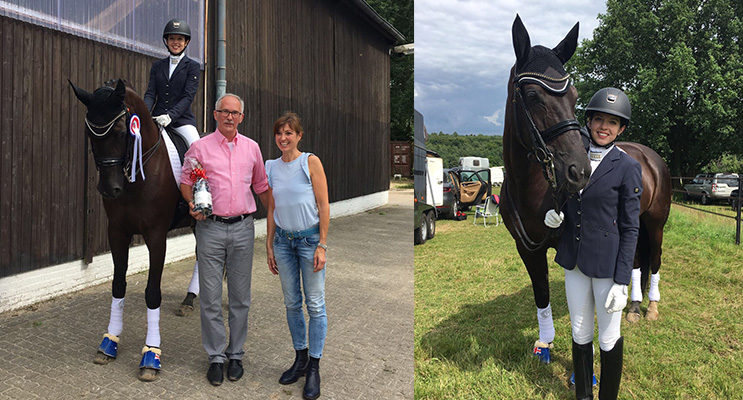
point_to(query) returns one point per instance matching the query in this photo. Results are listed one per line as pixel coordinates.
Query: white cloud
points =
(493, 119)
(463, 54)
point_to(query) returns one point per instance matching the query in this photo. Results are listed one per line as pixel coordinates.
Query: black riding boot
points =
(312, 382)
(583, 368)
(611, 371)
(299, 368)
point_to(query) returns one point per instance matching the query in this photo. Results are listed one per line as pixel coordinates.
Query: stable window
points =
(135, 25)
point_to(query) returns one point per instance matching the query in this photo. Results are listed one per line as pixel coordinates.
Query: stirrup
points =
(110, 345)
(542, 350)
(151, 358)
(572, 379)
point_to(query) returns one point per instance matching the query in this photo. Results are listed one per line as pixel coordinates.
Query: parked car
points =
(733, 199)
(474, 187)
(451, 203)
(710, 187)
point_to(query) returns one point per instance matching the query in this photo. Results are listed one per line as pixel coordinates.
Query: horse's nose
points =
(577, 177)
(109, 192)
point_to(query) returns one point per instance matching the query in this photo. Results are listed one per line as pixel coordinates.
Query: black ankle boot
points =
(583, 368)
(611, 371)
(299, 368)
(312, 383)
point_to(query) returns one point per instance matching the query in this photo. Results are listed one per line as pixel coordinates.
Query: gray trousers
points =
(223, 247)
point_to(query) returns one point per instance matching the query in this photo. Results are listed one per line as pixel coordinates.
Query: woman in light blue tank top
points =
(296, 242)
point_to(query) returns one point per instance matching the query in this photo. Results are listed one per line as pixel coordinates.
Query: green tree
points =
(400, 15)
(680, 63)
(452, 147)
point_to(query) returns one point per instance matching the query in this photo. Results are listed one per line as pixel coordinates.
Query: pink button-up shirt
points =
(230, 172)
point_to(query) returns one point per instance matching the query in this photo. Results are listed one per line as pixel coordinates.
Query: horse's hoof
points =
(542, 351)
(184, 310)
(633, 314)
(107, 350)
(652, 314)
(102, 359)
(633, 317)
(148, 374)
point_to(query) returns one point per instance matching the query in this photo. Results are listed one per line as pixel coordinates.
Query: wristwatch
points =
(324, 246)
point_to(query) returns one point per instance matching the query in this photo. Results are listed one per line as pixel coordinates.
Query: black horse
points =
(545, 161)
(146, 206)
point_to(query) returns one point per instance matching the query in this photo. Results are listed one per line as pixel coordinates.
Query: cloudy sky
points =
(463, 55)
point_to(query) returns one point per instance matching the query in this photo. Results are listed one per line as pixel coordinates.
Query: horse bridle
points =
(539, 138)
(126, 159)
(538, 146)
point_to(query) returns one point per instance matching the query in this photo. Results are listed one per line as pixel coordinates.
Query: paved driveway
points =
(47, 349)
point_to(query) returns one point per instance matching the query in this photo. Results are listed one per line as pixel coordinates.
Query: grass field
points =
(475, 318)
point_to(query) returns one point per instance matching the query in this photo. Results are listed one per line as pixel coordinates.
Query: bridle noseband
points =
(540, 138)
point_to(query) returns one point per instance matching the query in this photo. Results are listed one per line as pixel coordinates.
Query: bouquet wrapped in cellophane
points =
(202, 197)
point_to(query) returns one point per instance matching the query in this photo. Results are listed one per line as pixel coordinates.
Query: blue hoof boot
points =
(542, 350)
(110, 345)
(151, 358)
(572, 379)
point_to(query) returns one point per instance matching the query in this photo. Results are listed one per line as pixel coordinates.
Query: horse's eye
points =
(532, 96)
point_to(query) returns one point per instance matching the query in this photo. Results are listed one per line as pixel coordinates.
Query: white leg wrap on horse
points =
(546, 326)
(654, 293)
(116, 322)
(153, 328)
(636, 294)
(193, 287)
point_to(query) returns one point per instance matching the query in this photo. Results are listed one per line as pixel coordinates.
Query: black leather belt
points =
(229, 220)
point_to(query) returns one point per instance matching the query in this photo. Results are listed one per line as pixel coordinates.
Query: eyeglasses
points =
(225, 113)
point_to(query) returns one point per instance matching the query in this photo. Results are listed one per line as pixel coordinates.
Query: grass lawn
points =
(475, 318)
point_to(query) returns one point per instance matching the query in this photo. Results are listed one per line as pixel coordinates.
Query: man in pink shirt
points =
(224, 241)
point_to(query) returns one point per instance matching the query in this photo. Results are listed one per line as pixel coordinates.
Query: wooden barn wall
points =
(315, 57)
(50, 211)
(320, 60)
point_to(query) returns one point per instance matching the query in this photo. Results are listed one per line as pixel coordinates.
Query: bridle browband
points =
(126, 159)
(539, 138)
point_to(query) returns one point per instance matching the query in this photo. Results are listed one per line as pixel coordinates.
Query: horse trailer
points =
(424, 215)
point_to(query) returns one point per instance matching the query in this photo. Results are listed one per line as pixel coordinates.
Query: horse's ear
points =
(81, 94)
(521, 42)
(567, 47)
(120, 89)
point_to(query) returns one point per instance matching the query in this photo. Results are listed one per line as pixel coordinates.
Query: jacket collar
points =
(604, 167)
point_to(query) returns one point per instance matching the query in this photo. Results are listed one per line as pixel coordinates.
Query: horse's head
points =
(543, 114)
(106, 126)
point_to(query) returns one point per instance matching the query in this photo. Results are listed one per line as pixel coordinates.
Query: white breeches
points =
(585, 295)
(188, 132)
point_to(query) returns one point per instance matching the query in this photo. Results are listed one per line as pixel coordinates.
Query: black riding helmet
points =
(611, 101)
(176, 27)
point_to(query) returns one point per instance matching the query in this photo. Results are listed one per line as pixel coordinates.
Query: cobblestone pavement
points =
(47, 349)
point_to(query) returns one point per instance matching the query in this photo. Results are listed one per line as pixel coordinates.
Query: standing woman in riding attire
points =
(173, 83)
(597, 247)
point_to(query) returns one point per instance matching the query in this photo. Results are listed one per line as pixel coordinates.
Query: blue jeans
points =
(295, 259)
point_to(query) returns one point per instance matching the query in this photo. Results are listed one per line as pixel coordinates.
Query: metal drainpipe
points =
(221, 78)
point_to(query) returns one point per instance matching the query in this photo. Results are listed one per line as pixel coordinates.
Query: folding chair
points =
(490, 209)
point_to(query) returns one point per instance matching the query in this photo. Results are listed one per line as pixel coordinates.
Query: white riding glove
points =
(553, 219)
(163, 120)
(617, 298)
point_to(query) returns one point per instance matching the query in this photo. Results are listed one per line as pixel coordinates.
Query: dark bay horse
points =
(146, 206)
(545, 161)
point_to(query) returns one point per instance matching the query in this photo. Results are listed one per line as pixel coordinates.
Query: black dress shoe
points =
(235, 370)
(215, 374)
(312, 383)
(298, 369)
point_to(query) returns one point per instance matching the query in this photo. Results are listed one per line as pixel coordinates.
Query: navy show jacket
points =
(602, 223)
(173, 96)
